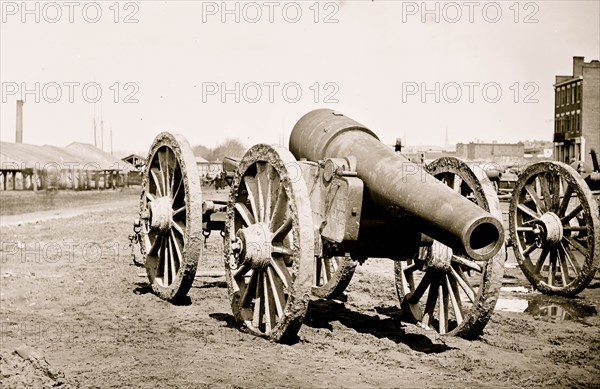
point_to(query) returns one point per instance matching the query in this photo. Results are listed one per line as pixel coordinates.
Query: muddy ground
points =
(71, 294)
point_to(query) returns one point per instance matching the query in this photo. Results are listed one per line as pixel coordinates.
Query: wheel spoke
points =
(564, 204)
(176, 193)
(463, 284)
(154, 173)
(572, 214)
(279, 210)
(172, 261)
(528, 211)
(172, 162)
(282, 231)
(241, 271)
(149, 196)
(541, 260)
(278, 292)
(164, 170)
(529, 249)
(468, 263)
(407, 282)
(178, 211)
(165, 259)
(576, 245)
(452, 288)
(262, 181)
(155, 245)
(432, 297)
(282, 271)
(252, 189)
(318, 270)
(259, 306)
(573, 262)
(421, 288)
(244, 213)
(571, 228)
(333, 262)
(270, 311)
(552, 270)
(545, 192)
(443, 306)
(327, 269)
(179, 227)
(564, 271)
(536, 200)
(250, 289)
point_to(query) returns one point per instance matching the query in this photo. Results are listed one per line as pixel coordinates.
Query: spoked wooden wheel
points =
(555, 228)
(269, 243)
(171, 216)
(332, 276)
(445, 291)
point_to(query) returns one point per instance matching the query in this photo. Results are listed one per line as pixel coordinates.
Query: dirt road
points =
(70, 291)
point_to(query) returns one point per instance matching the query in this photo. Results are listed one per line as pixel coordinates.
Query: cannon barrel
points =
(399, 185)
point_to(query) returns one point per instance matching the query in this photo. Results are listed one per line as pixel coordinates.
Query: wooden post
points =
(34, 179)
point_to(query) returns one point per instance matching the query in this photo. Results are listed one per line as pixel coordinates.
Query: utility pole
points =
(101, 130)
(94, 122)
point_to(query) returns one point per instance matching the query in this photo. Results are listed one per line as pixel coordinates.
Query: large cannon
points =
(298, 221)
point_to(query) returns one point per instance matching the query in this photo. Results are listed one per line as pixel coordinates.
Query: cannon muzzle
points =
(398, 185)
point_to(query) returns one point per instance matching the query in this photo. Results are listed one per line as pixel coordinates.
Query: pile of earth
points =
(27, 368)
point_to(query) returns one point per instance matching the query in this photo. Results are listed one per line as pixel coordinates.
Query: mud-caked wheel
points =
(555, 228)
(269, 243)
(171, 216)
(332, 276)
(445, 291)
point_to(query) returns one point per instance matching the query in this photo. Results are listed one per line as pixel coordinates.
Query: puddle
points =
(522, 300)
(520, 289)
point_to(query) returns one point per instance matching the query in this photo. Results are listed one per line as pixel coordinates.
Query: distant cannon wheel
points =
(269, 243)
(171, 216)
(332, 276)
(555, 228)
(445, 291)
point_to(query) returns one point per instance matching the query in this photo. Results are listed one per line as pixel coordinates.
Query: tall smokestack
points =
(19, 135)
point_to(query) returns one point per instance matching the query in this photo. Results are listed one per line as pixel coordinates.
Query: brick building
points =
(490, 151)
(577, 113)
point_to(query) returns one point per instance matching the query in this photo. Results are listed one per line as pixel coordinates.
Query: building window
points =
(556, 97)
(568, 94)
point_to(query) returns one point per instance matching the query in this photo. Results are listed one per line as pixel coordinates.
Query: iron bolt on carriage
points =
(297, 221)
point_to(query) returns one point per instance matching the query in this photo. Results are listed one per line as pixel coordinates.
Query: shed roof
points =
(26, 156)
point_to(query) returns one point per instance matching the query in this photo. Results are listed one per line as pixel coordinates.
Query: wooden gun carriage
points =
(555, 226)
(298, 221)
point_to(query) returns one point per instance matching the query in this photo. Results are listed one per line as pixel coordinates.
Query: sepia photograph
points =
(299, 194)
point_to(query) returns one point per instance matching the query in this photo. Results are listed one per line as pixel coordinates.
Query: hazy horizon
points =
(376, 59)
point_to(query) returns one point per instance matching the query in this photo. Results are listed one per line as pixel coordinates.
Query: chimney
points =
(578, 66)
(19, 135)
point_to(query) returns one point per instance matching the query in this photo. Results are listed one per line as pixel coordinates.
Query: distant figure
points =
(220, 181)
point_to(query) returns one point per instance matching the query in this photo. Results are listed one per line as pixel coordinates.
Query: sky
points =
(249, 70)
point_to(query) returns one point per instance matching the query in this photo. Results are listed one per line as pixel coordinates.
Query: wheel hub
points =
(161, 213)
(440, 258)
(254, 245)
(548, 229)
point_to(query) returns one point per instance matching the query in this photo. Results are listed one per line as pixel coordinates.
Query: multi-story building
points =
(577, 113)
(490, 151)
